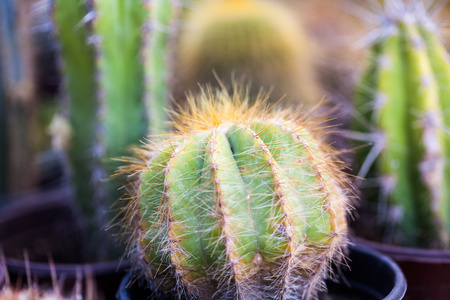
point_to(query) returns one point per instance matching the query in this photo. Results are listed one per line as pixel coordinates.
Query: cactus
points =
(124, 80)
(242, 202)
(106, 108)
(17, 53)
(407, 86)
(252, 40)
(78, 64)
(118, 27)
(158, 54)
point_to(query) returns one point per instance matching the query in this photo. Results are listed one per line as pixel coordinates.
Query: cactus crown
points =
(404, 95)
(242, 202)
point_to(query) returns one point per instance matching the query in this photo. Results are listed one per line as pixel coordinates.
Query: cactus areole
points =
(241, 203)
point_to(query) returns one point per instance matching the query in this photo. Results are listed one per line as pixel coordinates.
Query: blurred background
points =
(32, 83)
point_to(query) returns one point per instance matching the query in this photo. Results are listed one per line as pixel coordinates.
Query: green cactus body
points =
(241, 204)
(158, 54)
(409, 91)
(118, 26)
(252, 40)
(78, 64)
(440, 67)
(106, 86)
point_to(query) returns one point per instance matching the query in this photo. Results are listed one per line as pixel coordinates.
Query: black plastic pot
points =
(370, 276)
(427, 271)
(45, 225)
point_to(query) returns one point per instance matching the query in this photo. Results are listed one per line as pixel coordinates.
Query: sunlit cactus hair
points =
(403, 102)
(255, 40)
(242, 201)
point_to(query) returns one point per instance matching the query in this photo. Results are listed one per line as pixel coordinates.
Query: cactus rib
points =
(78, 64)
(118, 26)
(118, 29)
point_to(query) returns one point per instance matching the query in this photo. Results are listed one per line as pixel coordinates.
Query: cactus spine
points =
(408, 89)
(240, 203)
(258, 41)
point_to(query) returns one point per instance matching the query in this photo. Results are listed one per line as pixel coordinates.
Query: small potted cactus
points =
(402, 108)
(242, 201)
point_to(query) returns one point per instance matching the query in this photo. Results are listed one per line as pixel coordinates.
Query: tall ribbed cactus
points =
(255, 40)
(78, 64)
(118, 27)
(158, 54)
(105, 88)
(242, 202)
(407, 85)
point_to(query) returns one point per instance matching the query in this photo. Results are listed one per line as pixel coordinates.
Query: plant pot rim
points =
(404, 254)
(54, 199)
(400, 284)
(33, 198)
(45, 269)
(397, 292)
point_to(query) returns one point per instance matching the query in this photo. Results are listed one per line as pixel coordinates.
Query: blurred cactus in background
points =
(76, 128)
(403, 104)
(240, 202)
(118, 27)
(118, 36)
(257, 41)
(158, 53)
(116, 74)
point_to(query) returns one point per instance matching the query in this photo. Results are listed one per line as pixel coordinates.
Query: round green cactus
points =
(254, 40)
(404, 96)
(242, 202)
